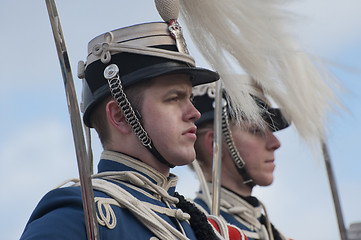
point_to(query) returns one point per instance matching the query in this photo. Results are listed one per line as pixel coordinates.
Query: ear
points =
(116, 117)
(208, 141)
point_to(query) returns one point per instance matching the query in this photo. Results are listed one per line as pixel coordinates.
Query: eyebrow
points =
(177, 91)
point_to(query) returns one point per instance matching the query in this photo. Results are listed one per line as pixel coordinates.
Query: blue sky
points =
(36, 145)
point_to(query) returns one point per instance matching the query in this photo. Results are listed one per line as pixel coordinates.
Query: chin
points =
(183, 159)
(265, 182)
(185, 163)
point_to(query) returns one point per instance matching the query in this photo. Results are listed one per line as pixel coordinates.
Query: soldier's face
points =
(168, 117)
(256, 148)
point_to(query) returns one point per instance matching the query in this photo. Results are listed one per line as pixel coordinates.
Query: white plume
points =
(251, 35)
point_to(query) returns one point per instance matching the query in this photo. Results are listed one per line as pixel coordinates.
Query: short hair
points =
(98, 118)
(198, 146)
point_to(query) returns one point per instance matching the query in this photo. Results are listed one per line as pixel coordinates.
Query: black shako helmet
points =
(272, 116)
(130, 55)
(141, 52)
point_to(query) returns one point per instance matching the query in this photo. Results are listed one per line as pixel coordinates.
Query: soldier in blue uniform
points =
(247, 160)
(137, 96)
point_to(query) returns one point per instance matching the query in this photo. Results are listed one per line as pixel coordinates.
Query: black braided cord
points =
(238, 161)
(199, 223)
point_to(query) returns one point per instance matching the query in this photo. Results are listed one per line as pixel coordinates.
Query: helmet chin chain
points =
(111, 73)
(237, 159)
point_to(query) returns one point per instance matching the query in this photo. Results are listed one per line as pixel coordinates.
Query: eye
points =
(177, 96)
(174, 98)
(257, 131)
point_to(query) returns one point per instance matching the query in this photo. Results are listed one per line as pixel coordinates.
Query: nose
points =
(272, 142)
(192, 113)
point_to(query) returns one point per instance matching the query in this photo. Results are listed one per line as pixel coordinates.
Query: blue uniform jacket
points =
(59, 215)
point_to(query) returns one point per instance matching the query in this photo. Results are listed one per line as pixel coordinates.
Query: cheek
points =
(160, 125)
(245, 148)
(248, 144)
(251, 154)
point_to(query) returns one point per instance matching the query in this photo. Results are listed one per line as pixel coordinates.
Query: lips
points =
(271, 164)
(191, 132)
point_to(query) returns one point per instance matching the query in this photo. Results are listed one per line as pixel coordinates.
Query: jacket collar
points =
(115, 161)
